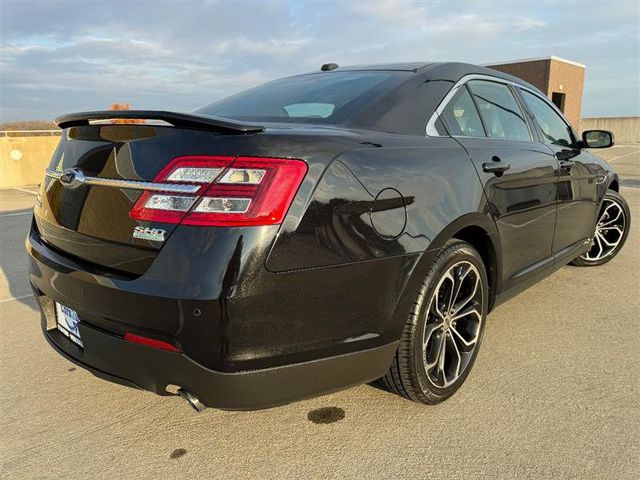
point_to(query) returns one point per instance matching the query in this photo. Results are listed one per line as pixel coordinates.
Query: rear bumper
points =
(112, 358)
(313, 346)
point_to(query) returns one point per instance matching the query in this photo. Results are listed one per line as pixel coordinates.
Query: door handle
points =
(565, 165)
(496, 166)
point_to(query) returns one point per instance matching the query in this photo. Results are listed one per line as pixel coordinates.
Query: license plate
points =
(67, 321)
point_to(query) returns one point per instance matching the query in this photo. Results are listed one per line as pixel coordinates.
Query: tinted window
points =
(502, 115)
(461, 116)
(554, 129)
(317, 98)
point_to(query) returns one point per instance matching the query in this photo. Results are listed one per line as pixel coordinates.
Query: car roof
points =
(397, 67)
(452, 71)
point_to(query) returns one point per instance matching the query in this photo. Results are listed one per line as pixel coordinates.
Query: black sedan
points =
(313, 233)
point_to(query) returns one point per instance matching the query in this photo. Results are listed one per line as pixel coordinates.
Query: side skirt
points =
(543, 269)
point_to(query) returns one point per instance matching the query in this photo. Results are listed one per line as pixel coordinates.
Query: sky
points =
(59, 57)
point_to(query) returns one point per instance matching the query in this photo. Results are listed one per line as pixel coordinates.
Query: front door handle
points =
(565, 165)
(497, 166)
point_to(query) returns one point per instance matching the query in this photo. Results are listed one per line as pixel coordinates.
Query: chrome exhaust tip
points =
(192, 400)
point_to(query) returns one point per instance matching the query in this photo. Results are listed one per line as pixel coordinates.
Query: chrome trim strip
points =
(431, 131)
(131, 184)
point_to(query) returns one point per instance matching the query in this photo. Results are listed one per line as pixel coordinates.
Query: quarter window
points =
(461, 116)
(554, 129)
(500, 112)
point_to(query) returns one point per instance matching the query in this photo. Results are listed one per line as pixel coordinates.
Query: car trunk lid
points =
(98, 173)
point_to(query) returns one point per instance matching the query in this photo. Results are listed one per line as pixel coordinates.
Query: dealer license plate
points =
(67, 321)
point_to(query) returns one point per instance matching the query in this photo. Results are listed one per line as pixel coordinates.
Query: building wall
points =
(552, 75)
(536, 72)
(568, 79)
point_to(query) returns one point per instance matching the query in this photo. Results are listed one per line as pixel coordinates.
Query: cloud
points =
(78, 55)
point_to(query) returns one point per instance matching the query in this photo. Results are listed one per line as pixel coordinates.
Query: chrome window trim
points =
(131, 184)
(431, 131)
(553, 107)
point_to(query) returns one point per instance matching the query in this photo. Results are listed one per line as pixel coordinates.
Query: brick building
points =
(561, 80)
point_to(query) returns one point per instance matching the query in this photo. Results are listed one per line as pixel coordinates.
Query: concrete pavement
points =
(554, 394)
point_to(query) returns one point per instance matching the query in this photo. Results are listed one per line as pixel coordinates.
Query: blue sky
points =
(59, 57)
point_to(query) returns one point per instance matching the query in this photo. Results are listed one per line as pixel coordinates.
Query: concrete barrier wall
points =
(23, 159)
(625, 129)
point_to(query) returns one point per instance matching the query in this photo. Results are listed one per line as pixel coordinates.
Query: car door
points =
(578, 175)
(518, 174)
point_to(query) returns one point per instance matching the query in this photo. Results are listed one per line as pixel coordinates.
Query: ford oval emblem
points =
(72, 178)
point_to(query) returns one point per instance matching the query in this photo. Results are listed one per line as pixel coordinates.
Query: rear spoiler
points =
(186, 120)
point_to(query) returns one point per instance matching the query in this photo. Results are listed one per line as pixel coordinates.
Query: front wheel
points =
(612, 228)
(442, 335)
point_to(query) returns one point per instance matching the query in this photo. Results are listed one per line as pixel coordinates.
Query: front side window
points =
(461, 116)
(554, 129)
(500, 112)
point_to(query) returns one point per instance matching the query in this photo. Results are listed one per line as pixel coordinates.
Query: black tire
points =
(591, 258)
(409, 375)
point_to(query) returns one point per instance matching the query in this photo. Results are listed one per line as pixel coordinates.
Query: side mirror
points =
(597, 139)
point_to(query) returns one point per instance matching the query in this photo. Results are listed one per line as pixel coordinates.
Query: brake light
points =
(244, 191)
(150, 342)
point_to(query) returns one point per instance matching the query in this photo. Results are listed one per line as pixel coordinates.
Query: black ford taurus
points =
(313, 233)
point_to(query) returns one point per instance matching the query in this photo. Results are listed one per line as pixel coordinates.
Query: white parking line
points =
(15, 298)
(625, 155)
(25, 190)
(16, 214)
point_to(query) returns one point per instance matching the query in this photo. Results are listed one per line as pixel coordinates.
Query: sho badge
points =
(146, 233)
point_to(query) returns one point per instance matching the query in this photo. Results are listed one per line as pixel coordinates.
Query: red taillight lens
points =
(246, 191)
(150, 342)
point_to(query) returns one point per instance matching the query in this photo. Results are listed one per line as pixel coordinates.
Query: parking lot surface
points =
(554, 394)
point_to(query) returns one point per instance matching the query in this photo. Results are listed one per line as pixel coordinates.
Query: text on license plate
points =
(67, 321)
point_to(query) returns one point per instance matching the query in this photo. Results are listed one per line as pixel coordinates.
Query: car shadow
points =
(14, 228)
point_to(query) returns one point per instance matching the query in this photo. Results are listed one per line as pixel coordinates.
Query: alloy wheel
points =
(452, 327)
(609, 231)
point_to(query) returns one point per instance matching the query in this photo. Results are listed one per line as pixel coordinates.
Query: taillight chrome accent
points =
(223, 205)
(178, 203)
(194, 174)
(242, 191)
(243, 176)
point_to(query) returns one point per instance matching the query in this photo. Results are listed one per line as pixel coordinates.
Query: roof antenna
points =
(327, 67)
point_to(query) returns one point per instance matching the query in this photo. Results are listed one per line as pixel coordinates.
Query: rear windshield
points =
(317, 98)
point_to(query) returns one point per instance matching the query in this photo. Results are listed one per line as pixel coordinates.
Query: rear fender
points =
(470, 222)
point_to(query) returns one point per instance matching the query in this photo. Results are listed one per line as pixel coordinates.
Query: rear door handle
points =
(496, 166)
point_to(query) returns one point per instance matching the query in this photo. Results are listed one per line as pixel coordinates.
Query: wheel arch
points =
(480, 239)
(478, 230)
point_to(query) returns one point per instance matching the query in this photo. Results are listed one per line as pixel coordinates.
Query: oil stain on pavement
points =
(177, 453)
(326, 415)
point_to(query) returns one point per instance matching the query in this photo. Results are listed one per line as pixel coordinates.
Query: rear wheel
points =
(612, 228)
(442, 335)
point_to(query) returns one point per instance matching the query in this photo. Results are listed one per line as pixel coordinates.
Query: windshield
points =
(317, 98)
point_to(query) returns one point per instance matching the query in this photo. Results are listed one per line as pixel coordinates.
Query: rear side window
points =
(315, 98)
(502, 115)
(554, 129)
(461, 116)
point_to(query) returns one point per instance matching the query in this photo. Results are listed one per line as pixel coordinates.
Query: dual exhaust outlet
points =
(193, 401)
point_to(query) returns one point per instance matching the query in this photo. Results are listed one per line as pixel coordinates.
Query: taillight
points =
(243, 191)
